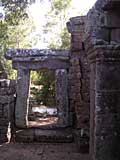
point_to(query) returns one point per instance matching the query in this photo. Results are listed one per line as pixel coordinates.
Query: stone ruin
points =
(25, 60)
(88, 83)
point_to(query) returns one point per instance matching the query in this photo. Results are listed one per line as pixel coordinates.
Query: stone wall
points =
(79, 73)
(79, 81)
(102, 44)
(7, 100)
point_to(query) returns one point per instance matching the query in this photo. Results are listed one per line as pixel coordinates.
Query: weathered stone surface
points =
(25, 60)
(41, 58)
(110, 4)
(21, 111)
(49, 64)
(39, 135)
(79, 82)
(33, 54)
(76, 24)
(104, 103)
(76, 28)
(102, 46)
(115, 35)
(79, 71)
(3, 75)
(7, 91)
(62, 97)
(37, 59)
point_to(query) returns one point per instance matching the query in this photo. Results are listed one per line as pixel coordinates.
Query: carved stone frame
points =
(25, 60)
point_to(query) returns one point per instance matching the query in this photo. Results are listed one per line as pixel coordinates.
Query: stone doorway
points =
(26, 60)
(42, 110)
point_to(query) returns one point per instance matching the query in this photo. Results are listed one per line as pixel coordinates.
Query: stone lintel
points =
(104, 53)
(40, 59)
(33, 54)
(49, 64)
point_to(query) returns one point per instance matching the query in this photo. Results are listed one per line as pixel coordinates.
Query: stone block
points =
(108, 102)
(56, 136)
(108, 76)
(4, 83)
(112, 19)
(82, 141)
(25, 135)
(78, 75)
(115, 36)
(103, 34)
(76, 24)
(107, 147)
(6, 99)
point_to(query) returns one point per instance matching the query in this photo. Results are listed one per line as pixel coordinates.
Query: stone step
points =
(38, 135)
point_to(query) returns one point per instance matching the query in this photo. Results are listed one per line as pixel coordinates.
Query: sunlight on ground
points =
(43, 121)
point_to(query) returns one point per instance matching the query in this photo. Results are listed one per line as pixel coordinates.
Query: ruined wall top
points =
(102, 25)
(76, 24)
(107, 4)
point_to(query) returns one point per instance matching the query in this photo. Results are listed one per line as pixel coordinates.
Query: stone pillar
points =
(22, 103)
(62, 97)
(79, 73)
(105, 102)
(102, 45)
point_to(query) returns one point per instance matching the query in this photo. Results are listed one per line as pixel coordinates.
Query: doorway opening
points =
(42, 100)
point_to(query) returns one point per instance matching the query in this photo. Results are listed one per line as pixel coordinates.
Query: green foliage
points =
(18, 35)
(63, 42)
(60, 39)
(15, 10)
(15, 29)
(59, 5)
(45, 92)
(56, 24)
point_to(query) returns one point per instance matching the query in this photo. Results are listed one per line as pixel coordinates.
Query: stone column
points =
(62, 97)
(21, 111)
(79, 73)
(105, 102)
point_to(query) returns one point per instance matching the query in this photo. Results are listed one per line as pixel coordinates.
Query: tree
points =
(45, 93)
(59, 39)
(19, 35)
(15, 28)
(56, 24)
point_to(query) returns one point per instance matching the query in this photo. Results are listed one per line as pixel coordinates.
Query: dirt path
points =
(20, 151)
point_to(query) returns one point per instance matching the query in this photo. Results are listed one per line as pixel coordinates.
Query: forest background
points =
(18, 30)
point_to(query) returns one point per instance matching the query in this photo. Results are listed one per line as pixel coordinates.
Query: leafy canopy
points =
(15, 29)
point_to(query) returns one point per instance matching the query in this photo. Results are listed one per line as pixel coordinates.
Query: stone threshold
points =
(58, 135)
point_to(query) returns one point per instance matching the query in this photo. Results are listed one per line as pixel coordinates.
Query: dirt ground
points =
(20, 151)
(43, 121)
